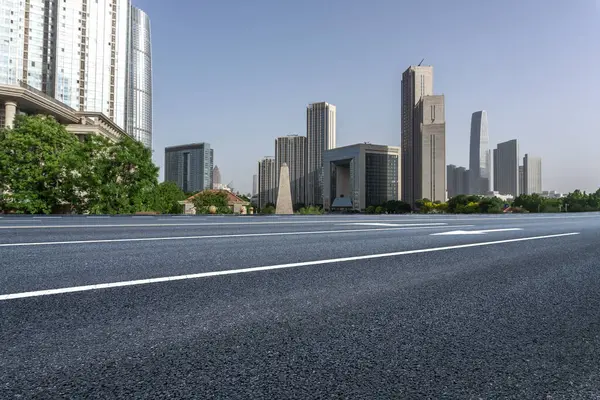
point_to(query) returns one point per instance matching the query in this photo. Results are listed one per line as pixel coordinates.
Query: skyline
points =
(262, 54)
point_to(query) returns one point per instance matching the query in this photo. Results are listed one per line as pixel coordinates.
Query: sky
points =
(238, 73)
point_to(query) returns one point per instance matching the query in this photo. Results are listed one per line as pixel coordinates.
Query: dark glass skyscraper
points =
(190, 166)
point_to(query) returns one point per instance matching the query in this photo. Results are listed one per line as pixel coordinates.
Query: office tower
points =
(139, 82)
(521, 180)
(457, 179)
(417, 82)
(495, 170)
(507, 161)
(254, 184)
(361, 175)
(429, 151)
(532, 174)
(266, 182)
(479, 157)
(216, 177)
(291, 150)
(320, 137)
(190, 166)
(92, 56)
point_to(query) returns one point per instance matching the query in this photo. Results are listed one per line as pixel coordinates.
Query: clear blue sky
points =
(239, 73)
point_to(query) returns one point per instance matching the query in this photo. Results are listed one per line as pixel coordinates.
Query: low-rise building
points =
(235, 203)
(24, 99)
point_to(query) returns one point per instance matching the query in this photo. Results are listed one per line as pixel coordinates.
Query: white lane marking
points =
(258, 223)
(98, 216)
(48, 217)
(153, 239)
(385, 224)
(457, 219)
(482, 232)
(138, 282)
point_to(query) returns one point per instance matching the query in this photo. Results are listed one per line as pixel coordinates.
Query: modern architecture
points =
(457, 179)
(254, 184)
(291, 150)
(507, 171)
(320, 137)
(495, 169)
(139, 80)
(361, 175)
(429, 152)
(479, 155)
(532, 174)
(82, 53)
(189, 166)
(417, 82)
(216, 177)
(267, 184)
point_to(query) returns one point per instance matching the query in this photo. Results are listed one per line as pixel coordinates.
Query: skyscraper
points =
(429, 151)
(495, 169)
(532, 174)
(190, 166)
(417, 82)
(457, 180)
(93, 56)
(320, 137)
(479, 156)
(291, 150)
(254, 184)
(216, 177)
(139, 82)
(266, 182)
(507, 174)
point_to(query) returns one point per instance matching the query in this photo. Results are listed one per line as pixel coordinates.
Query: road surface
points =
(357, 307)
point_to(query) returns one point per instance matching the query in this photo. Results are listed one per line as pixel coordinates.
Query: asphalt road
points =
(353, 307)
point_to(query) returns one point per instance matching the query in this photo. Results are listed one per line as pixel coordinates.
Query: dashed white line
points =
(140, 282)
(244, 235)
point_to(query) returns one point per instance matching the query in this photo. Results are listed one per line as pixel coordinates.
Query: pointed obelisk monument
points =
(284, 195)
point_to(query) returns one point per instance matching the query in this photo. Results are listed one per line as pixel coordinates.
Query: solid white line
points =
(258, 223)
(138, 282)
(385, 224)
(98, 216)
(242, 235)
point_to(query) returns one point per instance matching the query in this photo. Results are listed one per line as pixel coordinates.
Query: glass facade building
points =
(78, 51)
(361, 175)
(189, 166)
(321, 136)
(479, 155)
(139, 102)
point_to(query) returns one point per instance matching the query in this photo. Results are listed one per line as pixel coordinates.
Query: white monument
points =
(284, 195)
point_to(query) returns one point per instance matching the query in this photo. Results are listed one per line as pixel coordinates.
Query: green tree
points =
(204, 200)
(127, 177)
(38, 165)
(491, 205)
(166, 198)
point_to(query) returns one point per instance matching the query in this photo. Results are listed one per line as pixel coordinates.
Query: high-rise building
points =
(320, 137)
(361, 175)
(417, 82)
(267, 185)
(190, 166)
(92, 56)
(495, 169)
(429, 151)
(254, 184)
(532, 174)
(479, 156)
(521, 180)
(457, 180)
(216, 177)
(291, 150)
(139, 82)
(507, 173)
